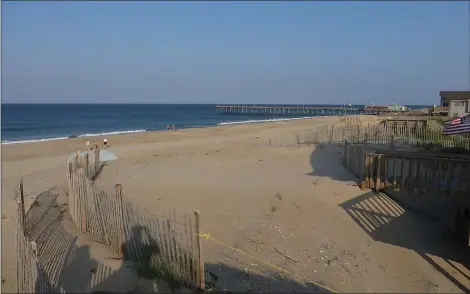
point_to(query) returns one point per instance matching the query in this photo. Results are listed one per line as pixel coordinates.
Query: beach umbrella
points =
(105, 155)
(459, 125)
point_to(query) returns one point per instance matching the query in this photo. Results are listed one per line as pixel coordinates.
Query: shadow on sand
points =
(80, 273)
(84, 274)
(64, 264)
(223, 278)
(387, 221)
(76, 271)
(325, 160)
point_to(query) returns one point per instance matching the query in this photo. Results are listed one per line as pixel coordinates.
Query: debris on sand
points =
(289, 258)
(273, 207)
(296, 205)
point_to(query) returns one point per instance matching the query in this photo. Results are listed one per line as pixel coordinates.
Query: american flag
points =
(459, 125)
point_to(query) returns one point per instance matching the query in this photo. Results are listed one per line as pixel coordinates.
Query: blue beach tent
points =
(105, 155)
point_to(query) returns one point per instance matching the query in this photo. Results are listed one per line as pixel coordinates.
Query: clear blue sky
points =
(234, 52)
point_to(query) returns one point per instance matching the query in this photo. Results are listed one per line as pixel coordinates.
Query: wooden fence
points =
(90, 162)
(31, 277)
(435, 184)
(383, 134)
(165, 246)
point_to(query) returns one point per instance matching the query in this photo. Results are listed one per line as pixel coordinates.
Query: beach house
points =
(458, 102)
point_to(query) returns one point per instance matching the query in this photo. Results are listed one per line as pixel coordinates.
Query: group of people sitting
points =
(88, 143)
(172, 128)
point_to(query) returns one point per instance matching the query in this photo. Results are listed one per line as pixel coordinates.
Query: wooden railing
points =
(378, 134)
(434, 184)
(385, 135)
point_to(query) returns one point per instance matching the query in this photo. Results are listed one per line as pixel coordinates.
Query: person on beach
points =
(105, 143)
(167, 127)
(87, 143)
(173, 127)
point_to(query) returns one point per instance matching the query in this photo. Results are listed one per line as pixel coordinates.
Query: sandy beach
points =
(252, 197)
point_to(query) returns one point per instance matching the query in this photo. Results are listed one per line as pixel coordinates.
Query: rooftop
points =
(455, 95)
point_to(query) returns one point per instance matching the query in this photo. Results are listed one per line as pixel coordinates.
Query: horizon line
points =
(158, 103)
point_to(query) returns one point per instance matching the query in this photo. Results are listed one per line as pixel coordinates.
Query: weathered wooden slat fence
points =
(434, 184)
(89, 161)
(31, 278)
(163, 245)
(379, 133)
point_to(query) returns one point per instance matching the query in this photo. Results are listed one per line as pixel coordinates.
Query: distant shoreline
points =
(115, 133)
(28, 123)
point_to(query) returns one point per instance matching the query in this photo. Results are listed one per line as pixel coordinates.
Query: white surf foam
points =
(71, 137)
(33, 140)
(263, 120)
(111, 133)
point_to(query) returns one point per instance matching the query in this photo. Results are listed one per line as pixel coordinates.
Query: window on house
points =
(459, 103)
(455, 115)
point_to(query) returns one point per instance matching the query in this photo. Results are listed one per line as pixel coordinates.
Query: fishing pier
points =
(287, 110)
(304, 110)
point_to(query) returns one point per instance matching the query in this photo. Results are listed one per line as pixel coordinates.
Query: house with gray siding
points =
(458, 102)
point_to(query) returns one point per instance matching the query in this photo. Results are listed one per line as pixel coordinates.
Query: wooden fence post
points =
(379, 167)
(395, 165)
(358, 134)
(83, 199)
(298, 139)
(71, 171)
(408, 132)
(23, 212)
(77, 160)
(120, 220)
(96, 164)
(365, 180)
(402, 175)
(87, 172)
(201, 279)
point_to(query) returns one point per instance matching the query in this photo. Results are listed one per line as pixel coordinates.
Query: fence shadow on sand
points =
(389, 221)
(385, 220)
(52, 258)
(83, 273)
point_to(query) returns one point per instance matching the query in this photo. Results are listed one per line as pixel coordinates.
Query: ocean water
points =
(23, 123)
